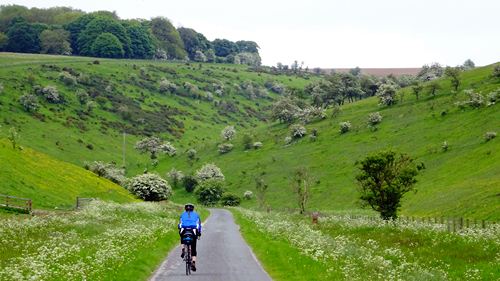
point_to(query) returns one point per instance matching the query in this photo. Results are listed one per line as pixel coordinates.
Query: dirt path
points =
(222, 255)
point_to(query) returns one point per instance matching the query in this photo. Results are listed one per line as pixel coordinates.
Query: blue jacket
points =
(190, 220)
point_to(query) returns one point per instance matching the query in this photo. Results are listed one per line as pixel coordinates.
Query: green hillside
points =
(127, 98)
(51, 183)
(463, 181)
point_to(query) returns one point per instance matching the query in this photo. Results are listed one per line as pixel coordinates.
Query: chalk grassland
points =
(51, 183)
(461, 181)
(104, 241)
(341, 248)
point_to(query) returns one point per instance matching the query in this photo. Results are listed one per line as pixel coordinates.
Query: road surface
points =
(222, 255)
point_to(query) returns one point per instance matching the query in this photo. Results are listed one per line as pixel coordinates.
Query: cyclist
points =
(190, 222)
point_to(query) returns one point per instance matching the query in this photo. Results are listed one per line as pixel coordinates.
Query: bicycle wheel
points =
(188, 260)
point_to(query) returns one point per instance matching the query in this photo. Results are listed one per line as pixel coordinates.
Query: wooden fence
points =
(452, 224)
(7, 201)
(82, 202)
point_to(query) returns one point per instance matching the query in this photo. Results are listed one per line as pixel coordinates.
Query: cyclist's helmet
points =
(189, 207)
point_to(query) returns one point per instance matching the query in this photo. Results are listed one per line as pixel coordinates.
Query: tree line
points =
(67, 31)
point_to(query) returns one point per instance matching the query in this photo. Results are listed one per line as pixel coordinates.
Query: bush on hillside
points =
(209, 192)
(50, 93)
(310, 113)
(68, 79)
(168, 148)
(247, 141)
(374, 118)
(82, 96)
(387, 94)
(476, 100)
(149, 187)
(228, 133)
(225, 148)
(288, 140)
(175, 176)
(29, 102)
(248, 195)
(167, 86)
(209, 171)
(189, 182)
(257, 145)
(297, 131)
(345, 127)
(496, 71)
(191, 154)
(106, 170)
(493, 97)
(230, 199)
(489, 136)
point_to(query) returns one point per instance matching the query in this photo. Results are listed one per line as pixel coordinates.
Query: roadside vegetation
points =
(340, 247)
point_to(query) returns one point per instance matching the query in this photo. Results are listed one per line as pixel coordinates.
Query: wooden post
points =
(467, 223)
(315, 216)
(483, 224)
(77, 201)
(454, 225)
(7, 201)
(461, 223)
(447, 224)
(29, 205)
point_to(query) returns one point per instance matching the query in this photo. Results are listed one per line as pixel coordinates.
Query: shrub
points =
(247, 141)
(29, 102)
(228, 133)
(230, 199)
(345, 127)
(168, 148)
(150, 187)
(175, 176)
(191, 154)
(82, 96)
(374, 118)
(167, 86)
(387, 94)
(489, 136)
(248, 195)
(288, 140)
(257, 145)
(209, 192)
(225, 148)
(476, 100)
(68, 79)
(496, 71)
(445, 146)
(50, 93)
(106, 170)
(310, 114)
(493, 97)
(189, 182)
(297, 131)
(209, 171)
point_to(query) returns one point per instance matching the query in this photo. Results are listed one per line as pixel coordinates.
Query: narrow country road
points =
(222, 255)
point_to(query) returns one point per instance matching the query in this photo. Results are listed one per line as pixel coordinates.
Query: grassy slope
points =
(64, 134)
(51, 183)
(463, 181)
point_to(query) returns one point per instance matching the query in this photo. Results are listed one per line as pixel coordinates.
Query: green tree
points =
(247, 46)
(416, 88)
(384, 178)
(76, 27)
(224, 47)
(142, 46)
(13, 137)
(209, 192)
(107, 45)
(4, 40)
(301, 184)
(193, 41)
(168, 37)
(433, 87)
(468, 64)
(97, 27)
(454, 74)
(23, 37)
(55, 42)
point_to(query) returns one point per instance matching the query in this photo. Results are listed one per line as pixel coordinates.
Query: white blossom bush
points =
(106, 170)
(50, 93)
(288, 140)
(345, 127)
(374, 118)
(310, 114)
(167, 86)
(225, 148)
(297, 131)
(168, 148)
(199, 56)
(387, 94)
(67, 79)
(489, 136)
(190, 88)
(29, 102)
(493, 97)
(82, 96)
(209, 171)
(248, 195)
(257, 145)
(228, 133)
(175, 176)
(476, 100)
(149, 187)
(209, 96)
(191, 154)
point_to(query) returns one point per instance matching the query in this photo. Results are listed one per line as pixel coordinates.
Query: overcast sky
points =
(331, 33)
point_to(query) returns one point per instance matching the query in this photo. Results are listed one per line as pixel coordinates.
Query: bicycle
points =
(188, 237)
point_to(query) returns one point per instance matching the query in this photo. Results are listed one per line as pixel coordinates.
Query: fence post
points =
(29, 205)
(461, 223)
(77, 202)
(483, 224)
(7, 201)
(454, 225)
(467, 223)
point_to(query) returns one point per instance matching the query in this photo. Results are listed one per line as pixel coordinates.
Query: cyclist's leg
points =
(193, 250)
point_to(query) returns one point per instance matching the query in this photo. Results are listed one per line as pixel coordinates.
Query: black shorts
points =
(193, 241)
